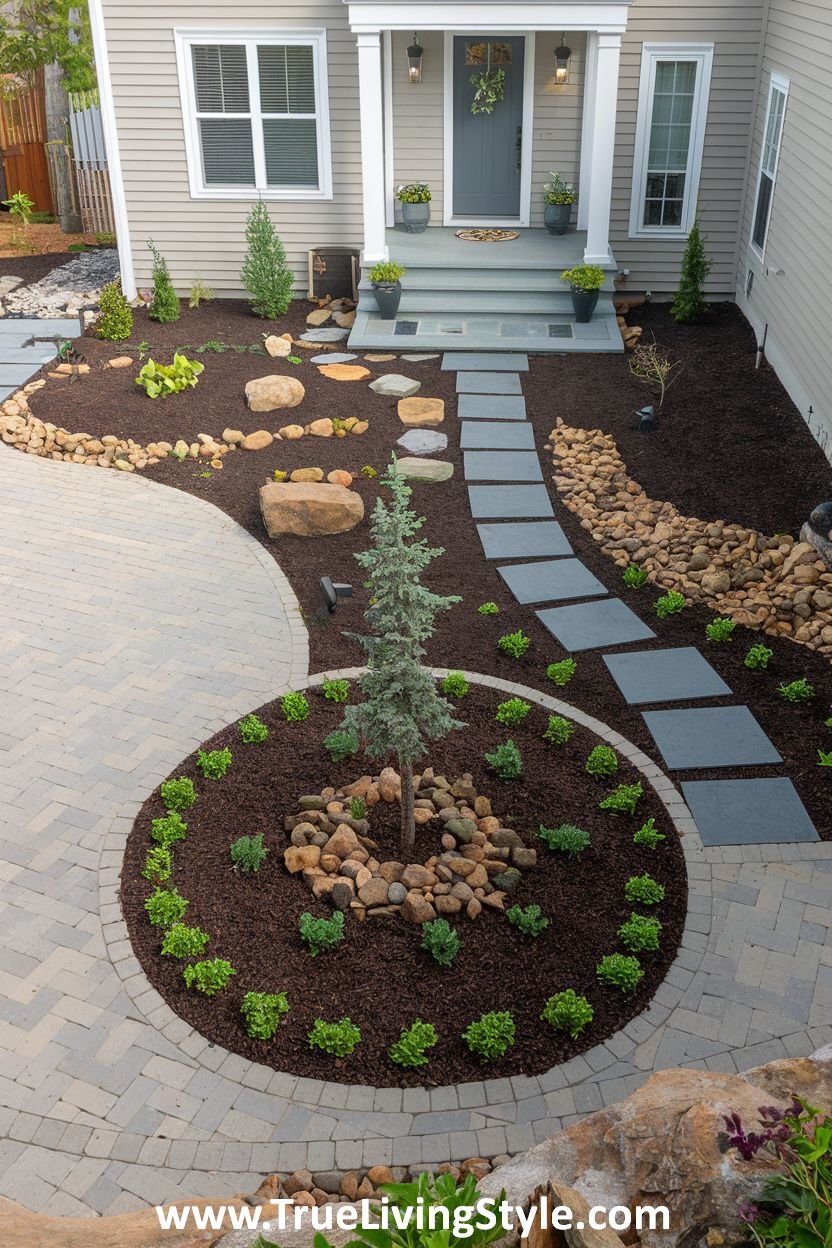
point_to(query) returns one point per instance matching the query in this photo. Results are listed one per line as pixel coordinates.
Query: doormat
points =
(487, 236)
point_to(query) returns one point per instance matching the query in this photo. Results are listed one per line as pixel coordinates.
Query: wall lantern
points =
(563, 55)
(415, 54)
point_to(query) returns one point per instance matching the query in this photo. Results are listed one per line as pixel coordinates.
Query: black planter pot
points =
(556, 217)
(388, 298)
(583, 304)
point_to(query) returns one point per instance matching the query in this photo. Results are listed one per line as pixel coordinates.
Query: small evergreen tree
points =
(689, 303)
(265, 274)
(402, 706)
(164, 305)
(116, 320)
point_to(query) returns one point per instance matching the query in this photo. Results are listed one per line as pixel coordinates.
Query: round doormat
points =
(487, 236)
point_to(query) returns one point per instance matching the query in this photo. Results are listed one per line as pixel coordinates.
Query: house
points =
(660, 112)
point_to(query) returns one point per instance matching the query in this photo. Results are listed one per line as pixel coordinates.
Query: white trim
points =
(602, 150)
(703, 55)
(370, 106)
(781, 84)
(587, 127)
(499, 16)
(387, 92)
(110, 130)
(529, 56)
(250, 38)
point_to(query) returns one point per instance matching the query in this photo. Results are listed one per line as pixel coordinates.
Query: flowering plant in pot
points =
(585, 280)
(414, 198)
(558, 198)
(386, 281)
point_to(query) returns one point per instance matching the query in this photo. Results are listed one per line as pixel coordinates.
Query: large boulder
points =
(268, 394)
(415, 469)
(309, 509)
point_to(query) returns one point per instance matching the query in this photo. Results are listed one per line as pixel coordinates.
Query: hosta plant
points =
(824, 759)
(160, 380)
(209, 977)
(262, 1012)
(491, 1035)
(568, 1011)
(341, 744)
(341, 1038)
(411, 1047)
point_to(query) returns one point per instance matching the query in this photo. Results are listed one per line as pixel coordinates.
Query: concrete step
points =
(534, 332)
(485, 302)
(485, 279)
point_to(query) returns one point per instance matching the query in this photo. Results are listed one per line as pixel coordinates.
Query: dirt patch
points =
(40, 240)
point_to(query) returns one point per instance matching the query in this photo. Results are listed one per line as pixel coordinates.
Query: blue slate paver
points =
(590, 625)
(748, 812)
(502, 466)
(552, 581)
(535, 540)
(522, 502)
(491, 407)
(16, 374)
(673, 675)
(492, 435)
(484, 362)
(488, 383)
(324, 335)
(717, 736)
(332, 357)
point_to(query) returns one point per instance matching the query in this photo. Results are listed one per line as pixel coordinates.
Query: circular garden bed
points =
(379, 976)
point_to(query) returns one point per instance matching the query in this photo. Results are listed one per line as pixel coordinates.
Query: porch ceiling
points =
(369, 16)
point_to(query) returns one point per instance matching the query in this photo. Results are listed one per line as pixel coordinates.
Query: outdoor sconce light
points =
(646, 418)
(563, 55)
(415, 53)
(332, 592)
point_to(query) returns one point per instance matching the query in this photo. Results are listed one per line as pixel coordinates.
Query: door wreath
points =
(489, 87)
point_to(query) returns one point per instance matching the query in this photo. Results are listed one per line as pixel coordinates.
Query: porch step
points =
(547, 333)
(508, 297)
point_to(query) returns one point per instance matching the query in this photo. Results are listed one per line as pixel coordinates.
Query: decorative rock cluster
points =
(480, 862)
(775, 584)
(67, 291)
(341, 312)
(326, 1187)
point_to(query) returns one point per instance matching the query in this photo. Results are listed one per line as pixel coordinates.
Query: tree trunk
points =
(408, 817)
(62, 166)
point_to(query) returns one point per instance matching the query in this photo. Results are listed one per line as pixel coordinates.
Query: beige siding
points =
(792, 282)
(418, 117)
(558, 113)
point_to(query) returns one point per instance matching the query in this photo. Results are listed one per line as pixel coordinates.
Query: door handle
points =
(519, 149)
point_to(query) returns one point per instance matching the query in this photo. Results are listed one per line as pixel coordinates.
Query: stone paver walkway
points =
(26, 343)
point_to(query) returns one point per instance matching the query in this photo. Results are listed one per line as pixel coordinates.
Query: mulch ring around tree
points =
(379, 976)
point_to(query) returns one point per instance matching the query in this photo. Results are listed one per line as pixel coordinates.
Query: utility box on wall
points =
(333, 271)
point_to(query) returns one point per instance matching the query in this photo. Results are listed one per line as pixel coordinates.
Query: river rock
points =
(268, 394)
(278, 347)
(416, 909)
(257, 441)
(307, 474)
(309, 509)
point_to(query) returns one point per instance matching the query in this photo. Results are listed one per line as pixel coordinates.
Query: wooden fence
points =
(90, 155)
(22, 139)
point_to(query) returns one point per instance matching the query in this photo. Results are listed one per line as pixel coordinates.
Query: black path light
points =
(647, 418)
(415, 55)
(563, 56)
(332, 591)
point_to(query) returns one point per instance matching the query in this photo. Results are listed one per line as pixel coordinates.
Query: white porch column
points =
(372, 145)
(607, 55)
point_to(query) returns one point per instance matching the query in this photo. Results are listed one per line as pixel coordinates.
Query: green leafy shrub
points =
(758, 657)
(116, 320)
(441, 941)
(413, 193)
(584, 277)
(670, 603)
(295, 707)
(409, 1049)
(649, 835)
(165, 907)
(620, 971)
(640, 934)
(514, 645)
(358, 808)
(488, 608)
(178, 794)
(182, 941)
(209, 977)
(169, 830)
(341, 744)
(623, 800)
(248, 853)
(634, 576)
(603, 761)
(720, 629)
(689, 302)
(157, 865)
(567, 839)
(341, 1038)
(797, 690)
(160, 380)
(164, 303)
(262, 1012)
(568, 1011)
(336, 690)
(506, 761)
(561, 673)
(558, 730)
(200, 292)
(214, 764)
(265, 274)
(530, 923)
(319, 935)
(252, 730)
(386, 273)
(643, 890)
(512, 712)
(455, 685)
(369, 472)
(491, 1035)
(824, 760)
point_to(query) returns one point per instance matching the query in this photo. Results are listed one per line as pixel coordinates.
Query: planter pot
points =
(583, 304)
(388, 298)
(556, 217)
(415, 217)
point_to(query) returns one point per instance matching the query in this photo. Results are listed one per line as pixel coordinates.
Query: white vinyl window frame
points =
(251, 39)
(702, 56)
(770, 148)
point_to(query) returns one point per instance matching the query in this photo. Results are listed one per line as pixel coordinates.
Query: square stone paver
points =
(491, 407)
(592, 624)
(551, 581)
(535, 540)
(495, 502)
(748, 812)
(484, 362)
(665, 675)
(496, 435)
(719, 736)
(502, 466)
(488, 383)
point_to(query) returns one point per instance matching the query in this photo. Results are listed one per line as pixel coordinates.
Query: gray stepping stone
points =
(665, 675)
(552, 581)
(534, 540)
(492, 435)
(748, 812)
(502, 466)
(720, 736)
(523, 502)
(395, 386)
(423, 441)
(418, 359)
(324, 335)
(590, 625)
(333, 357)
(491, 407)
(488, 383)
(484, 362)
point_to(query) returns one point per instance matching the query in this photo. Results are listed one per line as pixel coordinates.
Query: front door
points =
(488, 146)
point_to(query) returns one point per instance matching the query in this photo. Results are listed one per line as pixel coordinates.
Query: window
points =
(256, 114)
(670, 134)
(769, 158)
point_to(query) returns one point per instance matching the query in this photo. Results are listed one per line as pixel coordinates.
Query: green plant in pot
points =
(414, 198)
(558, 198)
(386, 281)
(585, 280)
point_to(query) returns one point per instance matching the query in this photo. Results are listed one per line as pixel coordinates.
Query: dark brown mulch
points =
(33, 268)
(379, 977)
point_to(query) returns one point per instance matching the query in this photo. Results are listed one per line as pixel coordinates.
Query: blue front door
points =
(488, 146)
